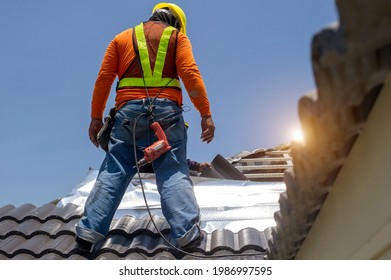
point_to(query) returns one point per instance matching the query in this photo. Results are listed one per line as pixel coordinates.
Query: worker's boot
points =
(194, 243)
(84, 246)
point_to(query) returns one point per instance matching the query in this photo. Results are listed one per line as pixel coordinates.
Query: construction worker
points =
(148, 60)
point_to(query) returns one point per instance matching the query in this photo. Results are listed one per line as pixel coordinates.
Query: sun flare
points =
(298, 136)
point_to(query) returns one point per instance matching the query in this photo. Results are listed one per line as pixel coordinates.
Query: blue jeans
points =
(178, 202)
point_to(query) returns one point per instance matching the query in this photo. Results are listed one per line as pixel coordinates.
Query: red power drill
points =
(158, 148)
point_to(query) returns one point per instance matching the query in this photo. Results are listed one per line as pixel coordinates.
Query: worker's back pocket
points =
(174, 127)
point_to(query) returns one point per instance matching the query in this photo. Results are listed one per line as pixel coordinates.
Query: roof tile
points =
(19, 213)
(5, 209)
(47, 232)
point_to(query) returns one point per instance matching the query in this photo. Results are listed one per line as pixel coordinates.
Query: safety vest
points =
(151, 78)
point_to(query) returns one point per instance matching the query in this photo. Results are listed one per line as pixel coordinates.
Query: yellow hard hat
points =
(176, 11)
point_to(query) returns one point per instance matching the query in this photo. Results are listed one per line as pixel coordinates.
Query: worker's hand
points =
(208, 129)
(95, 126)
(203, 166)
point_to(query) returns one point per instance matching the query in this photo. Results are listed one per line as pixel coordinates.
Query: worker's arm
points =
(103, 84)
(117, 57)
(106, 76)
(198, 166)
(191, 77)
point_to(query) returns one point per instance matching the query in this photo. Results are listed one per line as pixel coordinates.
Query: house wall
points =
(355, 220)
(351, 60)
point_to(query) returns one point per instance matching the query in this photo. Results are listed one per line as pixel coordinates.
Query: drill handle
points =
(159, 133)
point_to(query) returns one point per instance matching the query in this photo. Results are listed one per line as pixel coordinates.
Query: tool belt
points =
(104, 133)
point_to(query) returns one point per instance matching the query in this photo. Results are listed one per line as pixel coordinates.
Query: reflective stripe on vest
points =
(152, 79)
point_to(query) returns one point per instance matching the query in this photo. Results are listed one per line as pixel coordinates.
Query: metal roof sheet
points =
(228, 204)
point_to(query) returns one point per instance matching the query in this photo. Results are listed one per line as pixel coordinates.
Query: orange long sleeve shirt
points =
(116, 60)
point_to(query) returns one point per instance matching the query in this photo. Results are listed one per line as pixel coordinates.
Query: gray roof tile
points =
(47, 232)
(5, 209)
(19, 213)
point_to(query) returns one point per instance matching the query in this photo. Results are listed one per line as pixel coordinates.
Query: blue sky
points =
(254, 57)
